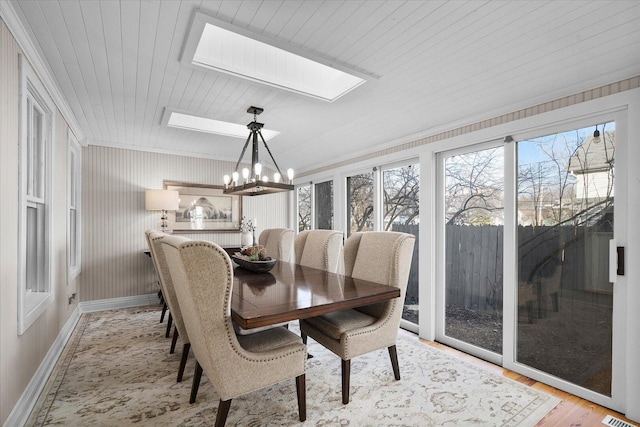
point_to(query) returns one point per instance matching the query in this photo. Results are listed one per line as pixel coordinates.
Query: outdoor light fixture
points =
(596, 136)
(254, 183)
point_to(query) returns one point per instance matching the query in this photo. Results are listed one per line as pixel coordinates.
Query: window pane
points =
(32, 247)
(304, 208)
(360, 202)
(73, 238)
(474, 205)
(35, 249)
(29, 146)
(72, 179)
(401, 204)
(324, 205)
(39, 154)
(565, 222)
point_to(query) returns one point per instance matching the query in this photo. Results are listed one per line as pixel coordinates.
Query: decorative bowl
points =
(255, 266)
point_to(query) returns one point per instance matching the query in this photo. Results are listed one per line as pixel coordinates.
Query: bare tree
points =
(401, 195)
(474, 186)
(304, 208)
(360, 191)
(532, 178)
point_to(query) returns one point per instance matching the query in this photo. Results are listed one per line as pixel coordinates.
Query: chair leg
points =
(183, 360)
(393, 354)
(223, 411)
(301, 390)
(346, 373)
(173, 341)
(164, 310)
(196, 382)
(166, 334)
(304, 337)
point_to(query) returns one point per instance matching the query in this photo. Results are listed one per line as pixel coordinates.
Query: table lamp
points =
(162, 200)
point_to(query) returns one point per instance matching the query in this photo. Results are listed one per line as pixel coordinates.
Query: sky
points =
(530, 151)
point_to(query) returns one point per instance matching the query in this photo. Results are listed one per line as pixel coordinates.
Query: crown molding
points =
(24, 39)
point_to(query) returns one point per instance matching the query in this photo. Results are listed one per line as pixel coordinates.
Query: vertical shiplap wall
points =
(21, 355)
(10, 386)
(115, 219)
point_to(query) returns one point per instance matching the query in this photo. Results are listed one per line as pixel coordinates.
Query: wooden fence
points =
(575, 258)
(412, 286)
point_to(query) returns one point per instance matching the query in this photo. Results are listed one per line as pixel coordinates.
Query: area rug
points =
(116, 370)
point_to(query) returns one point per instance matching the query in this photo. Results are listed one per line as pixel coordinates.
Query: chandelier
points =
(252, 182)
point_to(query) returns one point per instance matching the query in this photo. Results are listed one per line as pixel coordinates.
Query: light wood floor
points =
(571, 411)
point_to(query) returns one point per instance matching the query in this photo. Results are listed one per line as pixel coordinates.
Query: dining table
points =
(292, 291)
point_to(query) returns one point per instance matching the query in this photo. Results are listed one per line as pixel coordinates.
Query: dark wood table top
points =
(291, 291)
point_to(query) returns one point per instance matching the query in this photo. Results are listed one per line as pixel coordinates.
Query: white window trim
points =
(32, 304)
(75, 155)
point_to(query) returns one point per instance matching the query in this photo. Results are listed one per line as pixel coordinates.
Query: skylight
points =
(228, 51)
(202, 124)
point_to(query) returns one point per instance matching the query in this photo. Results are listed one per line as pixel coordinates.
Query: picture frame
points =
(204, 208)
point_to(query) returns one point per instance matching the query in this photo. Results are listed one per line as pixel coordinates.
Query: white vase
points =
(246, 239)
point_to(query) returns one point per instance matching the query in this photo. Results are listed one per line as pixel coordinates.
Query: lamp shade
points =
(157, 200)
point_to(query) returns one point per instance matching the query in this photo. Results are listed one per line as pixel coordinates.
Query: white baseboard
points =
(21, 411)
(117, 303)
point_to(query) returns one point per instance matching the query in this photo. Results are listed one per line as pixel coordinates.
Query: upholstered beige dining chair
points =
(278, 243)
(381, 257)
(154, 238)
(320, 249)
(235, 365)
(165, 307)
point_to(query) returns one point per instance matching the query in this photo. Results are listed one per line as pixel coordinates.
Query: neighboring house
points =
(592, 165)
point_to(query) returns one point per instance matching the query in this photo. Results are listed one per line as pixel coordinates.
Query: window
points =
(360, 203)
(401, 212)
(74, 188)
(35, 292)
(323, 198)
(315, 206)
(304, 207)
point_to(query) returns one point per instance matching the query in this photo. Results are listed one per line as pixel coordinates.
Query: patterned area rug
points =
(117, 370)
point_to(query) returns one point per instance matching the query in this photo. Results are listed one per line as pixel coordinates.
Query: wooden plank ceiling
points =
(439, 63)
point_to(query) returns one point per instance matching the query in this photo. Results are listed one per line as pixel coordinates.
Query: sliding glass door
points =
(523, 237)
(565, 188)
(472, 226)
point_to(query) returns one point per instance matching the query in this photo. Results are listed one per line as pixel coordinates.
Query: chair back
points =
(278, 243)
(203, 278)
(382, 257)
(154, 239)
(320, 249)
